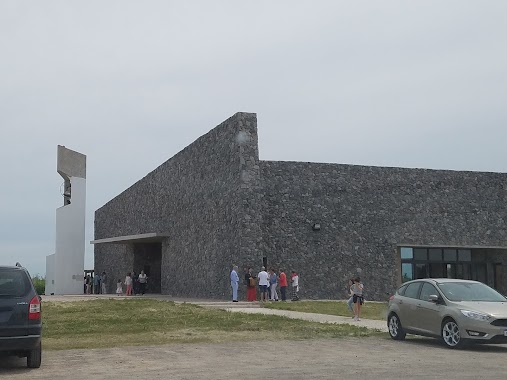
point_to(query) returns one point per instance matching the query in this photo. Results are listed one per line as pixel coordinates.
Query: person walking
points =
(143, 279)
(273, 282)
(128, 283)
(295, 286)
(263, 284)
(103, 283)
(283, 284)
(234, 283)
(251, 283)
(357, 298)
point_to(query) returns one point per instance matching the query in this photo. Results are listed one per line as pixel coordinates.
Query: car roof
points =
(11, 267)
(444, 280)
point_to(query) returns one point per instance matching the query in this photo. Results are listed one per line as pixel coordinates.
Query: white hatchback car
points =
(456, 311)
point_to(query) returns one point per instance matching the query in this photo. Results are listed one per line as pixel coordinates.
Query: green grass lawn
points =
(115, 323)
(370, 310)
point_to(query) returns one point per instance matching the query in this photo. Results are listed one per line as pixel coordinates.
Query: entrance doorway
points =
(148, 257)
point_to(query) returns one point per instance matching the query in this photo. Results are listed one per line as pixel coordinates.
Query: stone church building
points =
(215, 204)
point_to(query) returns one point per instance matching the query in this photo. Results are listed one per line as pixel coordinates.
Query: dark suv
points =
(20, 316)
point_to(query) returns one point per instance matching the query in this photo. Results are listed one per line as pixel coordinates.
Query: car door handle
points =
(400, 302)
(419, 305)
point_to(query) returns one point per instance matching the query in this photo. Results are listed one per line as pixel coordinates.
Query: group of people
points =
(267, 282)
(96, 284)
(135, 284)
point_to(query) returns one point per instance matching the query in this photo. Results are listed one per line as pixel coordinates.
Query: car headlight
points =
(476, 315)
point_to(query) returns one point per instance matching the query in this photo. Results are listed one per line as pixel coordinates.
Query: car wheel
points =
(395, 330)
(451, 335)
(34, 358)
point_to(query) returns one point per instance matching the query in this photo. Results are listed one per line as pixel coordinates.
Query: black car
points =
(20, 316)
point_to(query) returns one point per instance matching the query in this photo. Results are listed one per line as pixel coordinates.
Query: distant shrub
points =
(39, 283)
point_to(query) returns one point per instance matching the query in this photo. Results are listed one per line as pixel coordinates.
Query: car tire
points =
(34, 357)
(451, 335)
(395, 329)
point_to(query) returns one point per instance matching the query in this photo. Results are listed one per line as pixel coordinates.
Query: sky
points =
(419, 84)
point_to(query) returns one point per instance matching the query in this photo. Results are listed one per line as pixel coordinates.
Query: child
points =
(119, 288)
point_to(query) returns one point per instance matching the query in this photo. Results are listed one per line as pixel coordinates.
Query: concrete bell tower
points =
(65, 268)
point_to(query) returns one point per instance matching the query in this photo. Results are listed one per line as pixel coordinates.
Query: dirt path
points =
(315, 359)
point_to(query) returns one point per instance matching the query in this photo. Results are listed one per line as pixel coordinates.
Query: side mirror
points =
(434, 298)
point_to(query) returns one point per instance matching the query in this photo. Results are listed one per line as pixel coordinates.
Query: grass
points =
(370, 310)
(115, 323)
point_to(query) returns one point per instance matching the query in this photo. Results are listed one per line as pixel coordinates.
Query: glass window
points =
(420, 254)
(421, 271)
(463, 271)
(412, 290)
(480, 273)
(464, 255)
(401, 290)
(14, 283)
(462, 291)
(435, 254)
(451, 270)
(437, 270)
(427, 290)
(407, 253)
(450, 255)
(406, 272)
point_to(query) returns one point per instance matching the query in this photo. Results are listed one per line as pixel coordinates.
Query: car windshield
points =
(470, 291)
(13, 283)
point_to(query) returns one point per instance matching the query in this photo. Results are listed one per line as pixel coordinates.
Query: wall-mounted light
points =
(316, 227)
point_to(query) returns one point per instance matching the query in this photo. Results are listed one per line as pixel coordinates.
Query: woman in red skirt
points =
(251, 286)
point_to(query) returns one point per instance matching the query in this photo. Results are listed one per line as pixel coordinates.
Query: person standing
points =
(273, 282)
(143, 279)
(350, 302)
(119, 287)
(263, 284)
(251, 292)
(357, 298)
(104, 283)
(283, 284)
(128, 283)
(88, 283)
(234, 283)
(96, 284)
(295, 286)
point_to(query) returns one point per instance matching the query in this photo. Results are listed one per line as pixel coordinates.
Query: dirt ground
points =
(371, 358)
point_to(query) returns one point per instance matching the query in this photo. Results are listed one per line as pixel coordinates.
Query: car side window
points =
(412, 290)
(401, 290)
(427, 290)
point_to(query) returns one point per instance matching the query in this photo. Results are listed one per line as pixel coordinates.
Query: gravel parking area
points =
(370, 358)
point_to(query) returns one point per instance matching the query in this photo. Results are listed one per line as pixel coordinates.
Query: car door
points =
(407, 304)
(13, 303)
(428, 318)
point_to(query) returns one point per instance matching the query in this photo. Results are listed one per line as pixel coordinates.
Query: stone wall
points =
(365, 213)
(206, 198)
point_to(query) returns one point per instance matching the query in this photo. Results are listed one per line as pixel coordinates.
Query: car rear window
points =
(13, 283)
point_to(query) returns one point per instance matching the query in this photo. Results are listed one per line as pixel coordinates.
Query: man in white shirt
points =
(234, 283)
(263, 284)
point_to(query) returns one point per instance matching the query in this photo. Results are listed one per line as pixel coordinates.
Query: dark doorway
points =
(148, 257)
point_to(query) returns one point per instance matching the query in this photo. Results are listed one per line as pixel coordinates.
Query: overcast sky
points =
(131, 83)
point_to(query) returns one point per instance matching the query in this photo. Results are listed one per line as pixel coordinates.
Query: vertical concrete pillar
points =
(70, 225)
